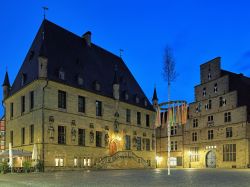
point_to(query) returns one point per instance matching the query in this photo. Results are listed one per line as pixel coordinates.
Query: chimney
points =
(87, 38)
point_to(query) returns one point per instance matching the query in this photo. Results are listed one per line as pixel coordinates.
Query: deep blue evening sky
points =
(196, 30)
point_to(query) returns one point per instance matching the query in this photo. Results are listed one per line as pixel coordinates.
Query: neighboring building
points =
(80, 104)
(217, 133)
(176, 140)
(2, 134)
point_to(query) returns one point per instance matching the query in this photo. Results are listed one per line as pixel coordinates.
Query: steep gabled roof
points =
(71, 53)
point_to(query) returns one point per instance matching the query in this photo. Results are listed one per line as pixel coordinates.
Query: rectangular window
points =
(210, 134)
(128, 115)
(204, 92)
(59, 162)
(210, 118)
(11, 110)
(194, 136)
(22, 104)
(173, 145)
(153, 144)
(62, 99)
(229, 152)
(81, 104)
(209, 104)
(31, 134)
(11, 138)
(98, 105)
(23, 136)
(194, 154)
(147, 144)
(138, 118)
(138, 140)
(215, 88)
(81, 137)
(128, 142)
(31, 100)
(227, 117)
(61, 135)
(98, 139)
(195, 123)
(173, 130)
(147, 120)
(229, 132)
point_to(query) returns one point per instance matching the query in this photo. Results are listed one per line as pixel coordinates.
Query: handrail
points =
(122, 154)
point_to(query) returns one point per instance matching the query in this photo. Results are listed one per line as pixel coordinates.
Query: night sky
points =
(197, 31)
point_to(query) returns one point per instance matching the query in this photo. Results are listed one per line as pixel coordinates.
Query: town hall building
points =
(79, 104)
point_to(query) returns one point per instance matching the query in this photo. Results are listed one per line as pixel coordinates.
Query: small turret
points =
(116, 86)
(155, 99)
(6, 86)
(42, 62)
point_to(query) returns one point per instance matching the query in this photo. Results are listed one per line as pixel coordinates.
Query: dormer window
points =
(79, 80)
(97, 86)
(24, 78)
(145, 103)
(126, 97)
(137, 100)
(61, 74)
(215, 88)
(204, 91)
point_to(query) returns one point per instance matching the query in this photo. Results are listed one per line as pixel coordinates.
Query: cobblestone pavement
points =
(127, 178)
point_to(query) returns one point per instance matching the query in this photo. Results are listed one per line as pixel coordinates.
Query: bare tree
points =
(170, 75)
(169, 72)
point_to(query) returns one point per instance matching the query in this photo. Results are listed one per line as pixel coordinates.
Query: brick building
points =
(80, 104)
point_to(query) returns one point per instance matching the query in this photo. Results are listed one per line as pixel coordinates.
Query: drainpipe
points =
(43, 120)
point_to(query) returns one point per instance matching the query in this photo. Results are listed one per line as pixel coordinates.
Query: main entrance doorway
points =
(112, 148)
(211, 159)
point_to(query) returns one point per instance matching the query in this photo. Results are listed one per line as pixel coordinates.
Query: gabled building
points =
(80, 104)
(217, 133)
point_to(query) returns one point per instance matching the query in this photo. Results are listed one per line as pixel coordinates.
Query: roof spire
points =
(155, 98)
(6, 80)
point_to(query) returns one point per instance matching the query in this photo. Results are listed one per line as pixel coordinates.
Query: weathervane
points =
(121, 51)
(44, 11)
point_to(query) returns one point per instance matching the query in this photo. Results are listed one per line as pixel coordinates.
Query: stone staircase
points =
(122, 159)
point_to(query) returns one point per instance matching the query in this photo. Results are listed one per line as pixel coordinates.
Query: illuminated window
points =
(59, 162)
(89, 162)
(194, 154)
(85, 162)
(75, 162)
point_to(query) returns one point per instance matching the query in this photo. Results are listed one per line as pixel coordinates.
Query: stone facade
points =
(217, 131)
(2, 134)
(46, 116)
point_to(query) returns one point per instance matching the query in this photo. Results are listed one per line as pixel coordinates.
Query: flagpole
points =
(168, 127)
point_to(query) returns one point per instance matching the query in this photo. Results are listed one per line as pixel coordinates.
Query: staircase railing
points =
(122, 155)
